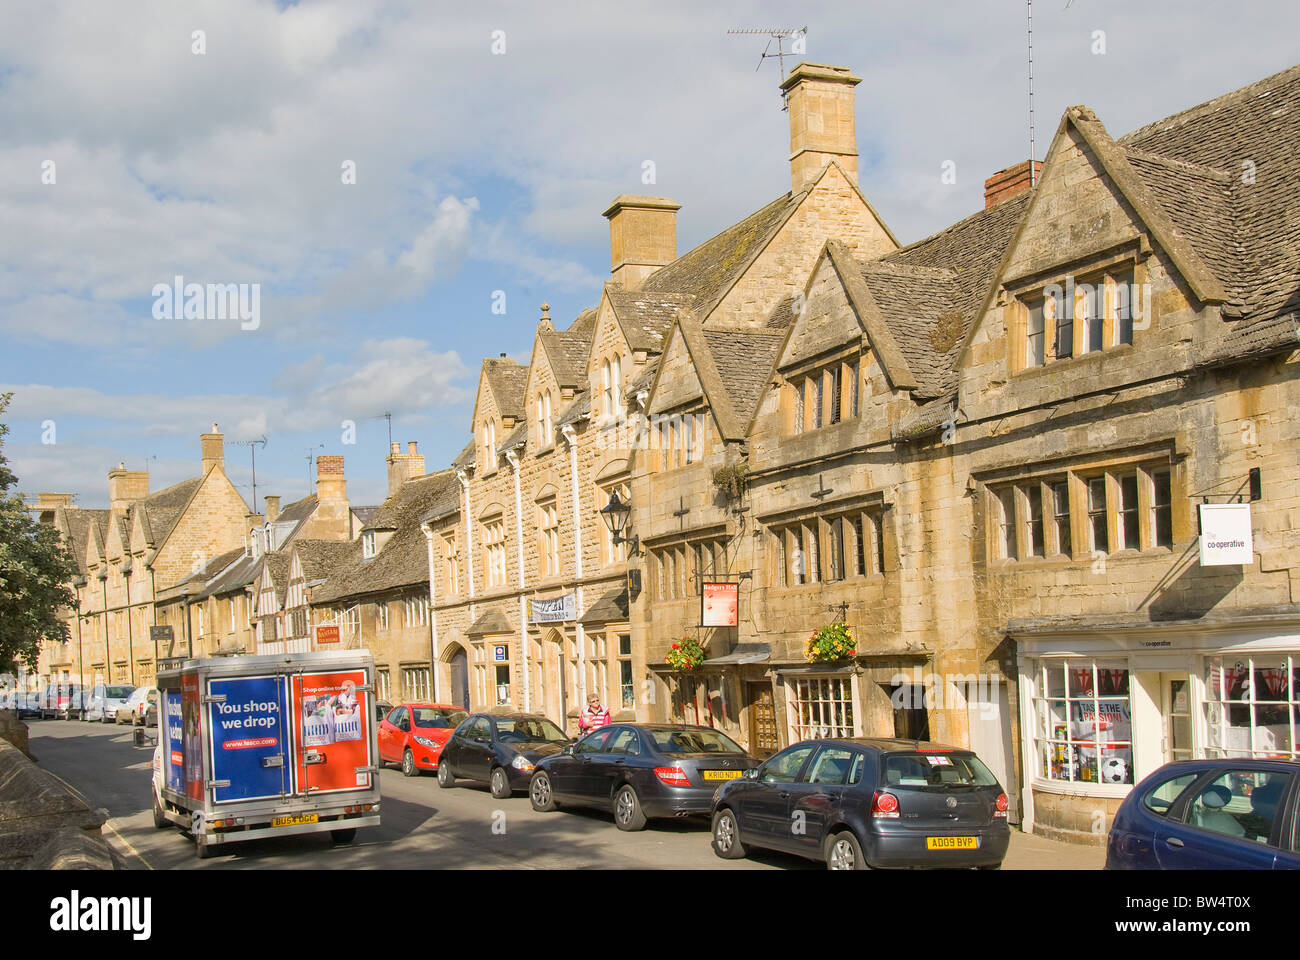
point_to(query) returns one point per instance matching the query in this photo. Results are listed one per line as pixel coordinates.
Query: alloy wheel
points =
(541, 791)
(725, 833)
(624, 810)
(842, 855)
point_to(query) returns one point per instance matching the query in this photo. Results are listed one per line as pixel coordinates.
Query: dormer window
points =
(489, 446)
(368, 544)
(612, 383)
(1073, 317)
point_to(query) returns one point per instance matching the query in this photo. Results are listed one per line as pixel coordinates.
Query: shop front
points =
(1104, 706)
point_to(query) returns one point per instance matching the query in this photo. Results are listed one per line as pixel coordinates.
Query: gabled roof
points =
(1249, 219)
(404, 559)
(711, 269)
(277, 564)
(161, 511)
(491, 620)
(79, 524)
(365, 514)
(507, 381)
(744, 360)
(929, 293)
(467, 457)
(245, 570)
(568, 350)
(318, 558)
(645, 316)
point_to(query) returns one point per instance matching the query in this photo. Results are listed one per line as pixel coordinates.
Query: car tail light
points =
(1001, 805)
(673, 776)
(884, 805)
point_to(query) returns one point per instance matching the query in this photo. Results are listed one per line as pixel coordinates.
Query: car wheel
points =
(446, 779)
(627, 810)
(409, 769)
(843, 852)
(500, 783)
(344, 836)
(726, 836)
(539, 792)
(159, 820)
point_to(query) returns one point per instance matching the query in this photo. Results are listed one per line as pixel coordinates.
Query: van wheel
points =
(159, 820)
(628, 814)
(843, 852)
(446, 779)
(726, 836)
(500, 783)
(344, 836)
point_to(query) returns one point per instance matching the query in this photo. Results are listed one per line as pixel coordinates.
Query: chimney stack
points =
(125, 487)
(820, 102)
(213, 445)
(272, 508)
(642, 237)
(1007, 183)
(330, 484)
(403, 466)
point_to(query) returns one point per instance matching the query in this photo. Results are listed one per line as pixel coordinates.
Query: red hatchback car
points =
(415, 733)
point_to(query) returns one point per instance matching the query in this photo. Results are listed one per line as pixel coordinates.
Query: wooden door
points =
(763, 739)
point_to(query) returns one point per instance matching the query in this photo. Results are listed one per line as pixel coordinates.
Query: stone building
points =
(986, 452)
(130, 555)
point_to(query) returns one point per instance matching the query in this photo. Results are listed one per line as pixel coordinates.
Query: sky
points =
(403, 184)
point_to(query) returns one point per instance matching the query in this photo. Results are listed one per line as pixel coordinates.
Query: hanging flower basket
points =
(832, 642)
(686, 654)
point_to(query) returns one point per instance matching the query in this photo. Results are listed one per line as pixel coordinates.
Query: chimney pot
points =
(410, 447)
(394, 447)
(642, 237)
(272, 509)
(1007, 183)
(819, 99)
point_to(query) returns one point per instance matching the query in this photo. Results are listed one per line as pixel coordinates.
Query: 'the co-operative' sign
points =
(1225, 535)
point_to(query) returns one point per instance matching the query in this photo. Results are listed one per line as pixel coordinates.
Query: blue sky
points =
(475, 172)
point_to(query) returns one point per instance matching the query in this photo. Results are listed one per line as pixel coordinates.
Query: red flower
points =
(852, 653)
(677, 646)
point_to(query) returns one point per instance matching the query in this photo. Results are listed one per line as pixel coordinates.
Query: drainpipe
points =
(463, 476)
(130, 640)
(108, 653)
(580, 635)
(513, 459)
(427, 529)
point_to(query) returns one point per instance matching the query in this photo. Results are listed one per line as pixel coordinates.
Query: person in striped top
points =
(593, 716)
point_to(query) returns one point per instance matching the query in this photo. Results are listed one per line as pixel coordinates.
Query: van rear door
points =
(332, 714)
(248, 735)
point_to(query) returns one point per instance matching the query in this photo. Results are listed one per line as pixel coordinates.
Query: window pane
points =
(1122, 293)
(1035, 497)
(1128, 491)
(1162, 505)
(1242, 804)
(859, 548)
(1034, 336)
(1097, 514)
(1064, 315)
(1061, 511)
(1007, 523)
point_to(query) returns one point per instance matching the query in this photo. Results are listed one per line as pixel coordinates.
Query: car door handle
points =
(1173, 841)
(785, 795)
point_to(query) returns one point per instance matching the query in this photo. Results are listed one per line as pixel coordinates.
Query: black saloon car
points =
(500, 749)
(640, 771)
(859, 804)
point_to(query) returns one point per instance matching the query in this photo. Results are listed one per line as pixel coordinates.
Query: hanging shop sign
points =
(327, 634)
(552, 611)
(1225, 535)
(719, 604)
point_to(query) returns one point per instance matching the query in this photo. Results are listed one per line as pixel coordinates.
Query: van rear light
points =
(1002, 804)
(673, 776)
(884, 805)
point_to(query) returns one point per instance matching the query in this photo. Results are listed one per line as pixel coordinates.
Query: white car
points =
(136, 705)
(104, 700)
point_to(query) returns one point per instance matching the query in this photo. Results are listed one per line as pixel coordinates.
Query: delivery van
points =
(266, 746)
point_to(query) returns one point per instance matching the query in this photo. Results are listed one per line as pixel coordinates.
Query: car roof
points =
(426, 703)
(894, 744)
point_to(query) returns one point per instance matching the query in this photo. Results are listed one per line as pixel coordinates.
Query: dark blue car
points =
(1225, 814)
(858, 804)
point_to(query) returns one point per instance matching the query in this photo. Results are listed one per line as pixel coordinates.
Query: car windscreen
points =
(693, 741)
(526, 728)
(934, 771)
(437, 718)
(118, 693)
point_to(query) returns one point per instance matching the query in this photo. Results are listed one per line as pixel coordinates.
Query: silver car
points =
(104, 700)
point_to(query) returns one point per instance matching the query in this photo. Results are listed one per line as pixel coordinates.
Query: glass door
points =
(1176, 711)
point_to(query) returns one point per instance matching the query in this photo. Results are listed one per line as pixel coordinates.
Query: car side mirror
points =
(568, 750)
(750, 774)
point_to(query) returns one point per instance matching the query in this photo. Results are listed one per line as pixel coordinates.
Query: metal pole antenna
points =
(1029, 11)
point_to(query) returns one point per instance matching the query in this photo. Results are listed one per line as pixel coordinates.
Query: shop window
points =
(503, 683)
(822, 707)
(1252, 706)
(1083, 722)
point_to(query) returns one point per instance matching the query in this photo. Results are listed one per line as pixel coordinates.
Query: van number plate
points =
(295, 821)
(951, 843)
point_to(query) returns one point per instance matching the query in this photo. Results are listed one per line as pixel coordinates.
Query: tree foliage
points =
(36, 568)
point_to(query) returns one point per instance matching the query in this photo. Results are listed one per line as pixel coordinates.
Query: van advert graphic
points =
(331, 733)
(246, 729)
(191, 737)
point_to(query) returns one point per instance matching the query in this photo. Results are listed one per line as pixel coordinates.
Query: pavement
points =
(423, 825)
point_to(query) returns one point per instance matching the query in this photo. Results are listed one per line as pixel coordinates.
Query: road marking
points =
(126, 843)
(108, 823)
